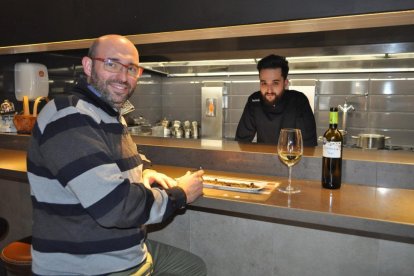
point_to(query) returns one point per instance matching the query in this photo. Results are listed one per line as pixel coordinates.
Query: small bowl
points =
(24, 123)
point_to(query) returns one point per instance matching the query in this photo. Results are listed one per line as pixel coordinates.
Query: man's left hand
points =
(151, 176)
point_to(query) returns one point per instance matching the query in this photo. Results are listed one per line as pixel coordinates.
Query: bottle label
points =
(331, 149)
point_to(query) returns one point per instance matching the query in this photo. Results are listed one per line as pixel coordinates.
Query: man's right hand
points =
(192, 184)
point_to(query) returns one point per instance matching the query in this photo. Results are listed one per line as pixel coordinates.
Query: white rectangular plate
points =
(239, 185)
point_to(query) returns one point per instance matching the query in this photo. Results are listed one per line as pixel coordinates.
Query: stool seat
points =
(17, 257)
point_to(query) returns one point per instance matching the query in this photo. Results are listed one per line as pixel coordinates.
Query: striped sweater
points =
(90, 207)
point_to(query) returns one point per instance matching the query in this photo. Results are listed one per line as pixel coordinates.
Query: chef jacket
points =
(292, 110)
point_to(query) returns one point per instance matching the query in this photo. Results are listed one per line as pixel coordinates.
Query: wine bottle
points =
(332, 153)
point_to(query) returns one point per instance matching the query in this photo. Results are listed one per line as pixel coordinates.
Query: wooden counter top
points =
(378, 168)
(13, 164)
(13, 160)
(386, 156)
(377, 212)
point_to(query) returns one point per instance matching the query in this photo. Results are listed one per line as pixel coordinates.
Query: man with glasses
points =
(91, 197)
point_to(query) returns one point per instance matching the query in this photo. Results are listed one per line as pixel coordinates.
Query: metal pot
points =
(370, 141)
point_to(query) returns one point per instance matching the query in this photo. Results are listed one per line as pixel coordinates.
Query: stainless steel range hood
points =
(376, 42)
(368, 63)
(365, 43)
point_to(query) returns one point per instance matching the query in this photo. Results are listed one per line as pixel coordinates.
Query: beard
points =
(116, 101)
(274, 100)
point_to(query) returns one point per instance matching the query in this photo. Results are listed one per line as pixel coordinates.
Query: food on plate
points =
(230, 183)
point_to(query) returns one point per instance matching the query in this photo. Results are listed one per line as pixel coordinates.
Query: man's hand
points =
(151, 176)
(192, 184)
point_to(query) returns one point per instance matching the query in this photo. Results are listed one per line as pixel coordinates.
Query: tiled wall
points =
(157, 98)
(147, 99)
(386, 110)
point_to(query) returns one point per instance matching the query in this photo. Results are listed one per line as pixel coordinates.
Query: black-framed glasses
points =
(115, 66)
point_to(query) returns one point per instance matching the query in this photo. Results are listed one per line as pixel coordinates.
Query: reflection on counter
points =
(211, 143)
(6, 123)
(164, 128)
(7, 113)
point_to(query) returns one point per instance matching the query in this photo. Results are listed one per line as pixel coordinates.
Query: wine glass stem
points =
(289, 187)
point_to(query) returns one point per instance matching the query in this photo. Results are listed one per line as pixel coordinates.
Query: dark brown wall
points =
(26, 21)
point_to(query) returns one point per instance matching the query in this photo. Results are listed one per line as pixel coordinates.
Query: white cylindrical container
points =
(30, 79)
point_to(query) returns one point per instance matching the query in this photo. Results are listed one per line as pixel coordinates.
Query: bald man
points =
(91, 197)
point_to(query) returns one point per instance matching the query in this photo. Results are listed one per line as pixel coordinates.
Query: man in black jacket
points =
(274, 107)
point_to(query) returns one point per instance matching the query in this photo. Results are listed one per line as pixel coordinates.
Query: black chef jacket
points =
(292, 110)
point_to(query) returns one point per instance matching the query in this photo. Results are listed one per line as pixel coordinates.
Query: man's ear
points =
(87, 66)
(286, 84)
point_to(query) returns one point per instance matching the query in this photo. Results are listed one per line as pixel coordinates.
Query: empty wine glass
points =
(290, 150)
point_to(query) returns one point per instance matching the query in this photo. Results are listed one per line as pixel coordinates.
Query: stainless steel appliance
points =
(212, 112)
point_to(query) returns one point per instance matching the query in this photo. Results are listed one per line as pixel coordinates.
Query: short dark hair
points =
(274, 62)
(92, 49)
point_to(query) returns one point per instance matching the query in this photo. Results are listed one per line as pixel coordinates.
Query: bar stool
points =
(16, 257)
(4, 228)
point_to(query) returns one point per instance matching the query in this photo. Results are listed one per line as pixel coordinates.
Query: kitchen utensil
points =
(31, 80)
(370, 141)
(24, 123)
(7, 107)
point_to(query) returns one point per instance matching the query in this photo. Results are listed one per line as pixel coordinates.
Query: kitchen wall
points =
(387, 109)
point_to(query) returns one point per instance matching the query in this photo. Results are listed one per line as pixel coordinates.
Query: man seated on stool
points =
(91, 197)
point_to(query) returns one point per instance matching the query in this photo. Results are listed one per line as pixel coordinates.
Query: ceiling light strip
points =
(297, 72)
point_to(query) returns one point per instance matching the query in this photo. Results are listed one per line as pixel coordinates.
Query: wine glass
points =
(290, 150)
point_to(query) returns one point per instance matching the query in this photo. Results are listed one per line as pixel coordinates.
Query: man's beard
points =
(102, 87)
(272, 102)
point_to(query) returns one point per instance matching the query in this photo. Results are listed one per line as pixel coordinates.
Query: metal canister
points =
(194, 129)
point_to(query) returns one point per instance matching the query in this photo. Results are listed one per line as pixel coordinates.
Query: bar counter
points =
(377, 212)
(361, 229)
(20, 142)
(378, 168)
(383, 156)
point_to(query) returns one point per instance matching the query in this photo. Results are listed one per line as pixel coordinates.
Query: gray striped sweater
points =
(89, 205)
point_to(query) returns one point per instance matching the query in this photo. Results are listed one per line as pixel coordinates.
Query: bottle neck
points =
(333, 126)
(333, 120)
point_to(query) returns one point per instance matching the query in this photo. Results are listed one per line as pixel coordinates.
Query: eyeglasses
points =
(114, 66)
